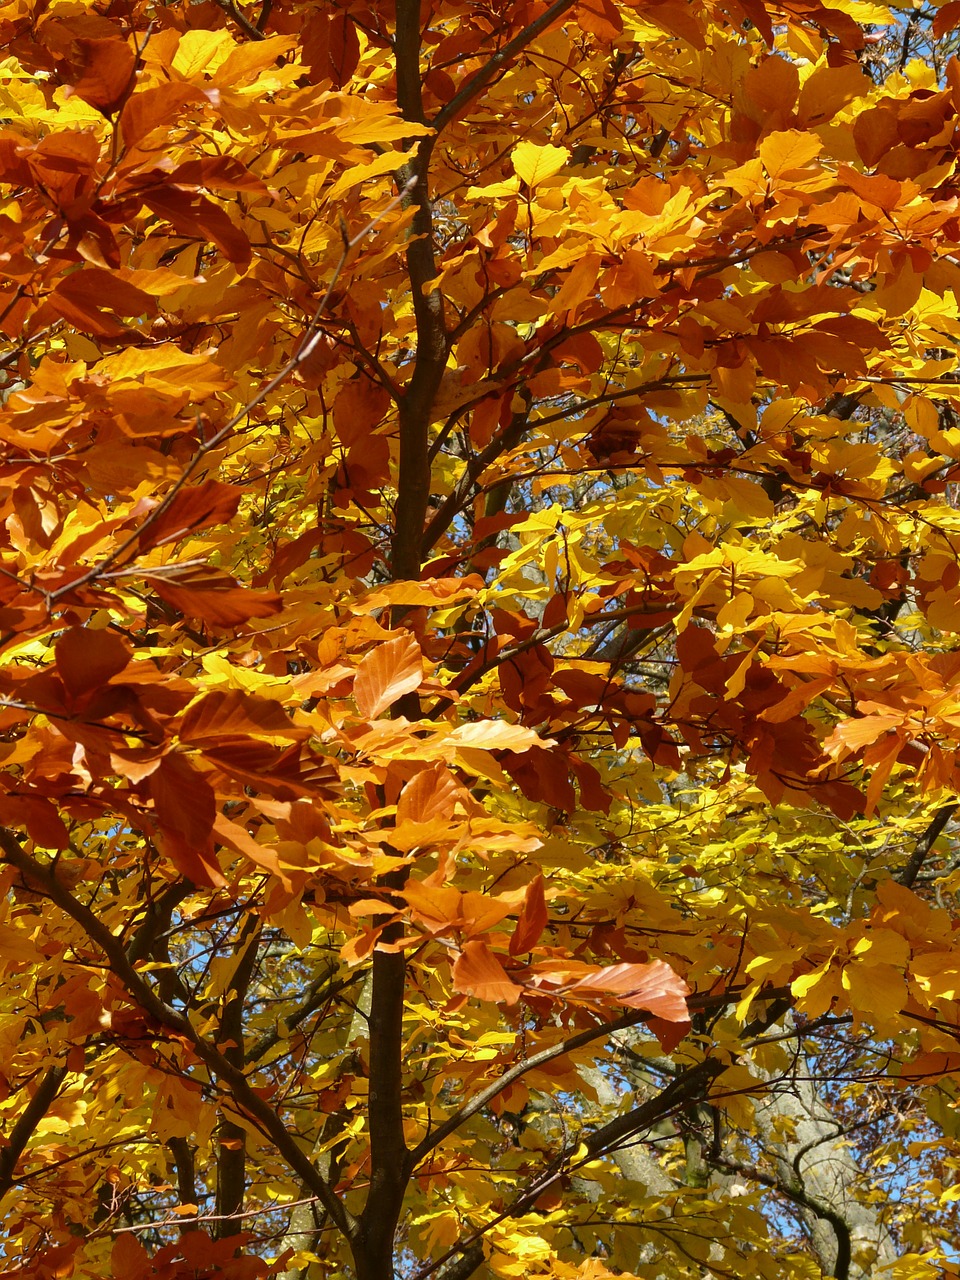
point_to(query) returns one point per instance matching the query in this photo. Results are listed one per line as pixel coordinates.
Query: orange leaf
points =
(478, 972)
(853, 734)
(600, 18)
(386, 674)
(533, 919)
(788, 151)
(653, 986)
(946, 19)
(432, 793)
(240, 840)
(184, 799)
(155, 108)
(231, 714)
(197, 862)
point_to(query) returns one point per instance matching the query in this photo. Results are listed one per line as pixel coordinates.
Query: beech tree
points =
(479, 599)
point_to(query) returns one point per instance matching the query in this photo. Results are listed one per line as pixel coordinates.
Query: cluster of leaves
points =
(478, 577)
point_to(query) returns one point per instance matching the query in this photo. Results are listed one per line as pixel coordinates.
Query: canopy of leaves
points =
(479, 613)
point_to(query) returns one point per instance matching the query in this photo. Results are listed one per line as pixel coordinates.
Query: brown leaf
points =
(197, 862)
(184, 799)
(195, 507)
(105, 73)
(217, 173)
(214, 597)
(194, 215)
(87, 659)
(282, 774)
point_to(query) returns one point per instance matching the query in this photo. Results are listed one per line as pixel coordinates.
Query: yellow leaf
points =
(786, 152)
(200, 51)
(535, 164)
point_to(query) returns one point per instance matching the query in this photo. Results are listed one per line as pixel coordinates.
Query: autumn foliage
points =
(479, 599)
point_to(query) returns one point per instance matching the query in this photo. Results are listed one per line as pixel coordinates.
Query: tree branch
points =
(231, 1137)
(798, 1194)
(478, 82)
(23, 1130)
(925, 843)
(246, 1098)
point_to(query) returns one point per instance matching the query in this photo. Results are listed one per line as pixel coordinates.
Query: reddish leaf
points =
(359, 408)
(95, 287)
(193, 214)
(946, 18)
(217, 173)
(283, 774)
(128, 1258)
(668, 1033)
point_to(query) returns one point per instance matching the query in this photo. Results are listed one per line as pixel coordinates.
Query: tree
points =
(478, 669)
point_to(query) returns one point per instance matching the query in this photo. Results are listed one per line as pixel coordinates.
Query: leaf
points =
(192, 508)
(217, 173)
(854, 734)
(232, 715)
(477, 972)
(788, 152)
(653, 986)
(533, 919)
(106, 72)
(155, 108)
(184, 800)
(386, 673)
(599, 17)
(86, 299)
(232, 834)
(493, 735)
(946, 18)
(214, 597)
(431, 793)
(193, 214)
(533, 164)
(198, 863)
(87, 659)
(128, 1258)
